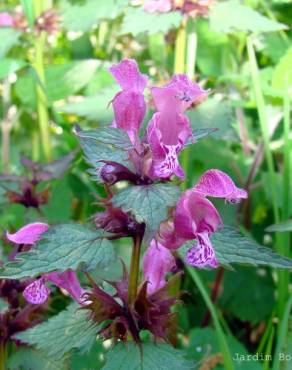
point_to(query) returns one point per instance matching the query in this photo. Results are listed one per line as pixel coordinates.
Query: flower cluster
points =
(153, 157)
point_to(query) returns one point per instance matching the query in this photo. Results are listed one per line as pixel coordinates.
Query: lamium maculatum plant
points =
(138, 164)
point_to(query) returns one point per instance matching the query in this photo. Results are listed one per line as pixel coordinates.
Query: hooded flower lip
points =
(215, 183)
(179, 94)
(28, 234)
(160, 6)
(157, 262)
(129, 104)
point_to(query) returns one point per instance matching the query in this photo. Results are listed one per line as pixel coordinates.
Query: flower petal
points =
(129, 110)
(179, 94)
(37, 292)
(67, 280)
(28, 234)
(157, 262)
(195, 214)
(203, 254)
(215, 183)
(6, 20)
(161, 6)
(128, 76)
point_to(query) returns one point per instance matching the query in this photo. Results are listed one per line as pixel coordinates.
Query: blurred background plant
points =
(54, 73)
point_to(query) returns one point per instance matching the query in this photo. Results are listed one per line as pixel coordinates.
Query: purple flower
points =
(169, 129)
(215, 183)
(195, 217)
(6, 20)
(37, 292)
(157, 262)
(129, 104)
(160, 6)
(28, 234)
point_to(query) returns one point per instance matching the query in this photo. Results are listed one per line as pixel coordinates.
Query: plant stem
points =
(282, 285)
(263, 123)
(191, 54)
(134, 269)
(3, 355)
(180, 49)
(6, 128)
(227, 359)
(42, 103)
(215, 294)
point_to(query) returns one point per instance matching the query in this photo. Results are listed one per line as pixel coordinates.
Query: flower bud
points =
(112, 172)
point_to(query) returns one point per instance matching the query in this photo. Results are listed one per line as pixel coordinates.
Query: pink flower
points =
(157, 262)
(37, 292)
(28, 234)
(169, 129)
(215, 183)
(195, 217)
(129, 104)
(6, 20)
(161, 6)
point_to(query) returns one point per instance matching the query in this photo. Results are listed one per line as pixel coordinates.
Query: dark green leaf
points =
(137, 21)
(248, 285)
(232, 247)
(203, 345)
(281, 227)
(30, 359)
(148, 203)
(109, 146)
(70, 329)
(230, 16)
(109, 136)
(63, 247)
(152, 357)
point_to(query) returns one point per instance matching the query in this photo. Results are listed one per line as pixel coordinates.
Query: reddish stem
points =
(214, 294)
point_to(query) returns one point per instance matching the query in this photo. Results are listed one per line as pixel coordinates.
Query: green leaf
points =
(152, 357)
(109, 136)
(8, 37)
(63, 247)
(230, 16)
(70, 329)
(200, 133)
(147, 203)
(203, 345)
(62, 80)
(280, 227)
(30, 359)
(94, 108)
(282, 75)
(232, 247)
(137, 21)
(29, 11)
(8, 66)
(84, 16)
(248, 285)
(91, 360)
(214, 113)
(104, 144)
